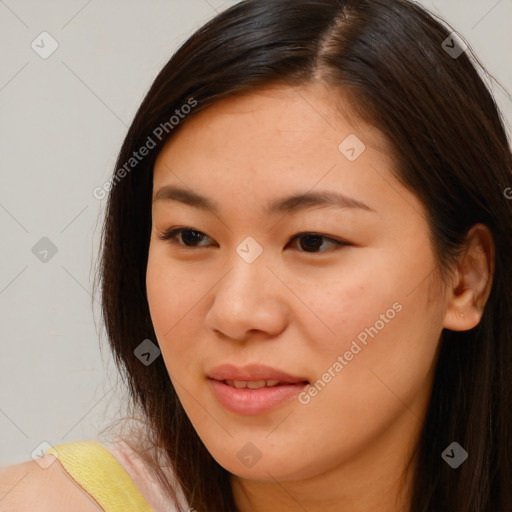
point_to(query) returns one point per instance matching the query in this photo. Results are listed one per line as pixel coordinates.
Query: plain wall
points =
(62, 121)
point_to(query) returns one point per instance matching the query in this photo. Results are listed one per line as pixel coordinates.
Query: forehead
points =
(274, 145)
(277, 121)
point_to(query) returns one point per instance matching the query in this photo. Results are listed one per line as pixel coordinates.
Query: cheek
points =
(163, 289)
(341, 309)
(170, 290)
(386, 328)
(387, 358)
(174, 299)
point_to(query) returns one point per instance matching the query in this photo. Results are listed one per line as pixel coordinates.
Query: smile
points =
(251, 398)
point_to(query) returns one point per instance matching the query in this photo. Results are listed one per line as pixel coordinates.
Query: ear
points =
(472, 281)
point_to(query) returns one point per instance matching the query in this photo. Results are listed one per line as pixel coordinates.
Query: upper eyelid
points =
(171, 233)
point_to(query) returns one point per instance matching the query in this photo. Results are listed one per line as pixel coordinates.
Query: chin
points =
(265, 465)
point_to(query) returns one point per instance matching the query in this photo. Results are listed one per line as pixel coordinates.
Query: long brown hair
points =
(451, 150)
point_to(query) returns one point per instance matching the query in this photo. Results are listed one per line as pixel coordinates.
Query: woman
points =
(306, 274)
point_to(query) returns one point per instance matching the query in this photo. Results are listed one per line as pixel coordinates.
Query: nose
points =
(249, 299)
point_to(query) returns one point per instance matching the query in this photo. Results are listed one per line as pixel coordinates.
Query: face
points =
(335, 298)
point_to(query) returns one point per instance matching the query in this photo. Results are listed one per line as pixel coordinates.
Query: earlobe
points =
(462, 313)
(471, 287)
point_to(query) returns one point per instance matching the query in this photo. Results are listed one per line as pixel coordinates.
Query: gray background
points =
(62, 121)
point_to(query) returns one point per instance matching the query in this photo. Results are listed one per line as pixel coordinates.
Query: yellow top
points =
(99, 473)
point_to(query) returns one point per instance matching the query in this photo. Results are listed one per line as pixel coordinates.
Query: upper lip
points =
(252, 372)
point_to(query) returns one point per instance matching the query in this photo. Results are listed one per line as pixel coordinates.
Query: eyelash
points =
(171, 234)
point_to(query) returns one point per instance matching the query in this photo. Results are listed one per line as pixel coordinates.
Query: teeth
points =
(256, 384)
(252, 384)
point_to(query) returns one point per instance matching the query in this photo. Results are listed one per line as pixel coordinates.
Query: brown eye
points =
(312, 242)
(189, 237)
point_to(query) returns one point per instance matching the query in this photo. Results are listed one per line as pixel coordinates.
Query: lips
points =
(231, 374)
(253, 389)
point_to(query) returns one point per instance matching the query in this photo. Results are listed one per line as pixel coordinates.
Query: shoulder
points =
(142, 469)
(42, 486)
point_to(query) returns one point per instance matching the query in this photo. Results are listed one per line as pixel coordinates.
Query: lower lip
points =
(254, 401)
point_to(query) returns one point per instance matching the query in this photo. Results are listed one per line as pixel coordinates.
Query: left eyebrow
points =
(289, 204)
(320, 199)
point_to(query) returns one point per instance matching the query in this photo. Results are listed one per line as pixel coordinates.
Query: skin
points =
(297, 310)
